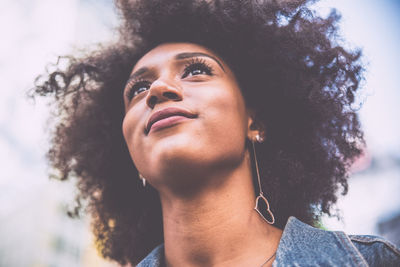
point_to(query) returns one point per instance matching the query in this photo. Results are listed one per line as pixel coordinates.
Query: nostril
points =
(159, 94)
(152, 101)
(171, 95)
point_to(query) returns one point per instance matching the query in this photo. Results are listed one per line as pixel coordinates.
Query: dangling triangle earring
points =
(143, 180)
(261, 195)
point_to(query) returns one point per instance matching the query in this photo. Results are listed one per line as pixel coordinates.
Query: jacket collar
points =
(154, 259)
(304, 245)
(300, 245)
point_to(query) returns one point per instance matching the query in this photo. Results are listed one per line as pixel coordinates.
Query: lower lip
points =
(167, 122)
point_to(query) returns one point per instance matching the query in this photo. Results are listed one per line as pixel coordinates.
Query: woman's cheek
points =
(126, 129)
(129, 130)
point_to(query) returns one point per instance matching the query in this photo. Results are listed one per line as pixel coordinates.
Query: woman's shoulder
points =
(376, 250)
(304, 244)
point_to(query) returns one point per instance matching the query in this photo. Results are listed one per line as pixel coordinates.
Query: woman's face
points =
(185, 115)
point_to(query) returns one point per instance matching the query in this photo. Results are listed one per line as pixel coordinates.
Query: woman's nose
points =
(161, 91)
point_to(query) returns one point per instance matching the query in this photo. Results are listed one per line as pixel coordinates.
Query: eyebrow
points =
(137, 73)
(179, 56)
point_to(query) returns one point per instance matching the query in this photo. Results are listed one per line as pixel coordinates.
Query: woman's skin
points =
(199, 162)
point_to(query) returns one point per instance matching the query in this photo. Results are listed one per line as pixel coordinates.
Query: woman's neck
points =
(218, 226)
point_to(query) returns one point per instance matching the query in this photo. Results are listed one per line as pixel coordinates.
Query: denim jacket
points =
(303, 245)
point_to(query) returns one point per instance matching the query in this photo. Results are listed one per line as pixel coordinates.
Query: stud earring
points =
(259, 139)
(143, 180)
(261, 194)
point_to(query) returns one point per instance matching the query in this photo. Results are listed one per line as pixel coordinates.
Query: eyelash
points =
(193, 64)
(197, 64)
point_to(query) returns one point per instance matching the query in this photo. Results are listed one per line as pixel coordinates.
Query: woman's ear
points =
(255, 128)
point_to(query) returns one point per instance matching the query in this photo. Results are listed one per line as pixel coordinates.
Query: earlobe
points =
(255, 129)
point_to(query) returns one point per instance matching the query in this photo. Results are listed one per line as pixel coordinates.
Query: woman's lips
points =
(167, 117)
(167, 122)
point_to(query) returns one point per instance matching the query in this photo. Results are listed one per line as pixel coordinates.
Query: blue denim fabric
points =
(303, 245)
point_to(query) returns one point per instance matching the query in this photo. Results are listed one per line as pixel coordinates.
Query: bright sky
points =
(374, 26)
(34, 33)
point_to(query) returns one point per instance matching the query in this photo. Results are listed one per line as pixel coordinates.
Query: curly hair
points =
(291, 69)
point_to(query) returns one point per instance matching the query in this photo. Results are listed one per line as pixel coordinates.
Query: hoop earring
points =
(143, 180)
(261, 194)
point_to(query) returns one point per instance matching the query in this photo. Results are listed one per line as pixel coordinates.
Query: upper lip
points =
(168, 112)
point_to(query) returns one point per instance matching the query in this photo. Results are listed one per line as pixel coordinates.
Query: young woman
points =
(214, 133)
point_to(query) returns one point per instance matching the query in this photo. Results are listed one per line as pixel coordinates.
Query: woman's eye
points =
(197, 68)
(197, 72)
(137, 88)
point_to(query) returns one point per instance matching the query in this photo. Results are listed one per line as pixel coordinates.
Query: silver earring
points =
(143, 180)
(261, 194)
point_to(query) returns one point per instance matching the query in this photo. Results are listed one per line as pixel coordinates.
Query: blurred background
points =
(34, 227)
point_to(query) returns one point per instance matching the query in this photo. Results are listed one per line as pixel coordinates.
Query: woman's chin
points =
(175, 146)
(179, 159)
(177, 156)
